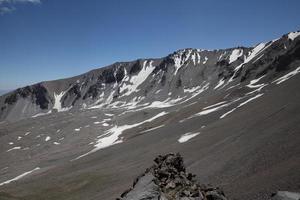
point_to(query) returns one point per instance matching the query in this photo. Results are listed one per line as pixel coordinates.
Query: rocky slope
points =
(233, 114)
(174, 78)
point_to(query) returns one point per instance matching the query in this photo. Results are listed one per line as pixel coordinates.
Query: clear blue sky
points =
(51, 39)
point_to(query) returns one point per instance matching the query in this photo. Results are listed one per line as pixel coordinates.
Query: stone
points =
(167, 180)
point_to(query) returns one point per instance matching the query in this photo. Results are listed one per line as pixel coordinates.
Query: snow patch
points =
(138, 79)
(235, 54)
(27, 133)
(47, 138)
(105, 124)
(19, 177)
(187, 136)
(208, 111)
(111, 137)
(205, 60)
(42, 114)
(293, 35)
(240, 105)
(14, 148)
(287, 76)
(57, 101)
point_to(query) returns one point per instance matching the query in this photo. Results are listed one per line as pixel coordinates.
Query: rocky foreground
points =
(167, 179)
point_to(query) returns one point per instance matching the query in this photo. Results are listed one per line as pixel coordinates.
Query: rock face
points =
(167, 179)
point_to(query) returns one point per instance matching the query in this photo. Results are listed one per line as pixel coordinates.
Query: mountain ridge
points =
(84, 90)
(233, 116)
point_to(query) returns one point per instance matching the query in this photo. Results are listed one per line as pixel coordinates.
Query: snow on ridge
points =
(293, 35)
(194, 58)
(178, 63)
(235, 54)
(137, 80)
(184, 55)
(252, 54)
(20, 176)
(287, 76)
(187, 136)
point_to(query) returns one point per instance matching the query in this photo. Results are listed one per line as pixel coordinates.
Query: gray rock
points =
(285, 195)
(167, 180)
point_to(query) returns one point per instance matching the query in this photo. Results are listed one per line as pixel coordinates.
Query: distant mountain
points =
(174, 78)
(4, 91)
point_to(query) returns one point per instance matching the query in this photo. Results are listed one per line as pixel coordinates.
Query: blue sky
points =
(52, 39)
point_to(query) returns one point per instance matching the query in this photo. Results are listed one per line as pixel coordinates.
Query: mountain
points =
(4, 91)
(175, 78)
(232, 113)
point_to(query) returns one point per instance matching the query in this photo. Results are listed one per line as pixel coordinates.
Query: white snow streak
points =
(19, 177)
(151, 129)
(208, 111)
(220, 83)
(42, 114)
(14, 148)
(241, 104)
(214, 105)
(187, 136)
(287, 76)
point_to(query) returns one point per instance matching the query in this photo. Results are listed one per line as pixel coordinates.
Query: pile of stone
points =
(167, 180)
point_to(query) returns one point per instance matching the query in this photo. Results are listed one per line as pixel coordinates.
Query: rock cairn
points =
(167, 180)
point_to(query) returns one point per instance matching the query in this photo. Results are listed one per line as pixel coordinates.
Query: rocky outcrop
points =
(167, 179)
